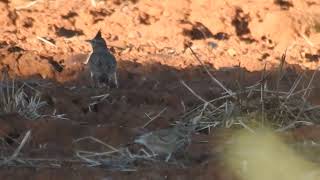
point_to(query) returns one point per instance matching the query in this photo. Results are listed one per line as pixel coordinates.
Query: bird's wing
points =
(102, 63)
(167, 136)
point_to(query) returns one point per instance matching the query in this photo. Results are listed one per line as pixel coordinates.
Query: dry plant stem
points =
(307, 117)
(5, 135)
(302, 109)
(306, 39)
(210, 124)
(26, 6)
(195, 94)
(101, 97)
(183, 106)
(50, 160)
(270, 91)
(89, 161)
(310, 82)
(96, 140)
(226, 97)
(290, 93)
(246, 127)
(282, 62)
(93, 154)
(153, 118)
(29, 86)
(288, 110)
(46, 41)
(106, 158)
(197, 119)
(295, 85)
(302, 91)
(263, 83)
(262, 103)
(204, 108)
(218, 108)
(17, 151)
(292, 125)
(313, 108)
(211, 76)
(260, 81)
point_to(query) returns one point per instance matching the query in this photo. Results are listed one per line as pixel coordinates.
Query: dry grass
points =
(120, 159)
(257, 105)
(15, 99)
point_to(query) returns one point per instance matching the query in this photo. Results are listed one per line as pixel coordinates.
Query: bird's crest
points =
(98, 36)
(98, 43)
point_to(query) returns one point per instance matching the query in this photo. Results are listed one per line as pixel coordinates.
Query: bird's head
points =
(97, 41)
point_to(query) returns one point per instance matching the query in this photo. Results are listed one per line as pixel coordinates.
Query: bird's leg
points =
(168, 157)
(93, 80)
(115, 79)
(88, 58)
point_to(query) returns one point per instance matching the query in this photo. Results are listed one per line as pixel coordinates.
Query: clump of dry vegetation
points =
(258, 104)
(15, 99)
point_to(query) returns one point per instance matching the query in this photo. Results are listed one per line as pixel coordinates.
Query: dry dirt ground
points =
(44, 44)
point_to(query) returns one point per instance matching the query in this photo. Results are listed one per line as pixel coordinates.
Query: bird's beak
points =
(88, 40)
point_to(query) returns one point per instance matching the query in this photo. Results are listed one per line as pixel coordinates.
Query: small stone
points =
(212, 45)
(232, 52)
(134, 34)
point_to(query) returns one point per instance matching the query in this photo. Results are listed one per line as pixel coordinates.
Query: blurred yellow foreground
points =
(264, 156)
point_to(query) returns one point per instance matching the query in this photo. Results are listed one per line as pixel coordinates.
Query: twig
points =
(294, 86)
(293, 125)
(262, 94)
(304, 96)
(101, 97)
(183, 106)
(282, 62)
(93, 154)
(270, 91)
(313, 108)
(196, 95)
(306, 39)
(51, 160)
(96, 140)
(153, 118)
(302, 91)
(89, 161)
(26, 6)
(245, 126)
(208, 72)
(310, 82)
(46, 41)
(17, 151)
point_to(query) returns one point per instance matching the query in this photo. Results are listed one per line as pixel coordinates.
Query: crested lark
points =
(166, 141)
(102, 63)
